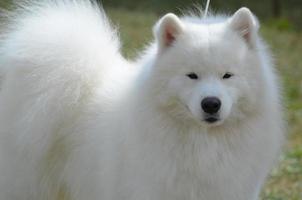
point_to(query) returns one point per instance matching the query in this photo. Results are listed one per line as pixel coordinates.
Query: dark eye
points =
(227, 75)
(192, 75)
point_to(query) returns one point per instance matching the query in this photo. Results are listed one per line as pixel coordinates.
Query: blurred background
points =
(289, 12)
(281, 26)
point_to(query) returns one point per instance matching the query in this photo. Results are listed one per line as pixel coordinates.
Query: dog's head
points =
(209, 71)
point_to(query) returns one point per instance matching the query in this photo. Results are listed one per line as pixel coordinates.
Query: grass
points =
(135, 29)
(285, 181)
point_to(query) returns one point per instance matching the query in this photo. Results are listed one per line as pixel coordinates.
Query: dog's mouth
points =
(212, 119)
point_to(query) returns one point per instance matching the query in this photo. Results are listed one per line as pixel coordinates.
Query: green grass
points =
(135, 29)
(285, 182)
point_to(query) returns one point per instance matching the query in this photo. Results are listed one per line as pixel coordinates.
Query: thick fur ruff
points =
(80, 122)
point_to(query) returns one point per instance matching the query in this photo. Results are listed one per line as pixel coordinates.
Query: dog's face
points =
(208, 72)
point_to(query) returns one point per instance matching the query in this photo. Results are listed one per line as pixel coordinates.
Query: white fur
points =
(79, 122)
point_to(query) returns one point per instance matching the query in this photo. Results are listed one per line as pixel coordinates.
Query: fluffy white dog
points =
(197, 117)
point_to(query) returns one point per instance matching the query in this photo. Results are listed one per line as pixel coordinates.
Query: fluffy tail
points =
(53, 55)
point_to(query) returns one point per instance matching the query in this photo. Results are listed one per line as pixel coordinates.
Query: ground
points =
(285, 181)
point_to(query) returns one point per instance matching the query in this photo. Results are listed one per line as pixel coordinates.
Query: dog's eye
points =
(227, 75)
(192, 75)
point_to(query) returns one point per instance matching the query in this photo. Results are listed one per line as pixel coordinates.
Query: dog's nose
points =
(211, 105)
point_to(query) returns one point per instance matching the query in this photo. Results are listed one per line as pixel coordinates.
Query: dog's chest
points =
(185, 168)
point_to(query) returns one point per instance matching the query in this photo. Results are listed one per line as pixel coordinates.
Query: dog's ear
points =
(167, 30)
(246, 24)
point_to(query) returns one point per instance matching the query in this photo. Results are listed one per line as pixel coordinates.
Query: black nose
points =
(210, 105)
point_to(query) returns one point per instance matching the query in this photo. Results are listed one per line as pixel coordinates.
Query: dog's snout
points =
(210, 105)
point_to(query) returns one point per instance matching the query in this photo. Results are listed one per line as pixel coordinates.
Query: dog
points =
(198, 116)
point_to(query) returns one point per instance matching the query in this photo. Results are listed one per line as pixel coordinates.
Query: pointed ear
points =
(246, 24)
(167, 30)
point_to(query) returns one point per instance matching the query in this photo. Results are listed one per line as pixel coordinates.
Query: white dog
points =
(198, 117)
